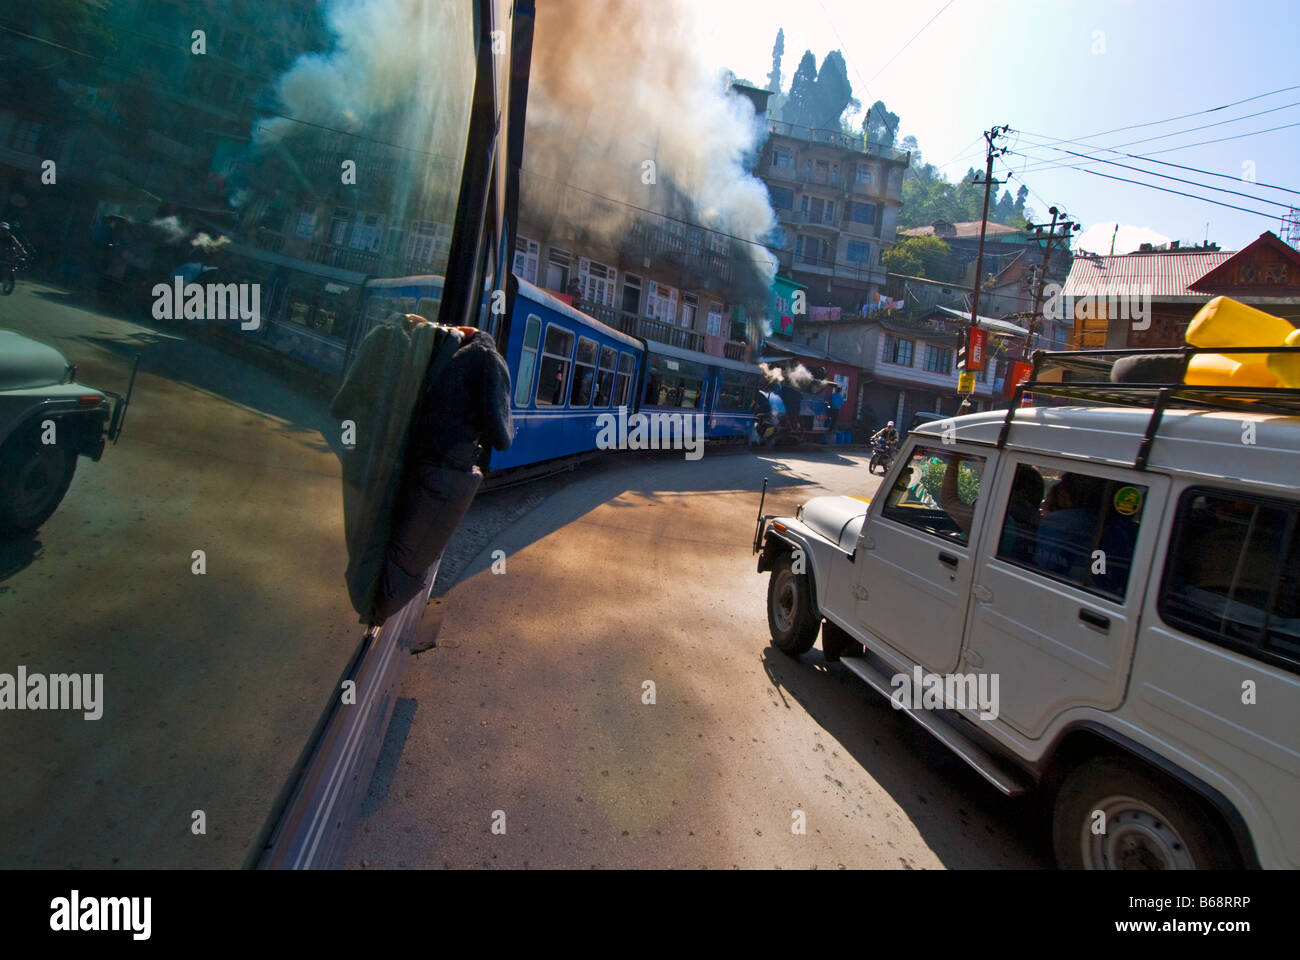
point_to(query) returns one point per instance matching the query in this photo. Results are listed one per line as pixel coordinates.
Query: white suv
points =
(1098, 602)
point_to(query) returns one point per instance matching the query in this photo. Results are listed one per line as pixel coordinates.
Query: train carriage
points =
(566, 369)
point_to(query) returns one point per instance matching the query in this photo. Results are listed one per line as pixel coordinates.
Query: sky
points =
(1056, 70)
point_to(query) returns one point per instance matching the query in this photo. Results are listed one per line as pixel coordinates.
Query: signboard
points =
(975, 346)
(966, 382)
(1017, 375)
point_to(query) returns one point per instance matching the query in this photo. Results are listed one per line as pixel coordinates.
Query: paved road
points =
(530, 712)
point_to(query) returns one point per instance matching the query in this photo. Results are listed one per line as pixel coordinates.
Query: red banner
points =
(975, 344)
(1018, 374)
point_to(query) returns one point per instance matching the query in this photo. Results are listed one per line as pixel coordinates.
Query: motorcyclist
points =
(886, 436)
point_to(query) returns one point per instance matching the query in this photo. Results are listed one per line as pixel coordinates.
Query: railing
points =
(358, 261)
(647, 328)
(733, 350)
(803, 216)
(837, 138)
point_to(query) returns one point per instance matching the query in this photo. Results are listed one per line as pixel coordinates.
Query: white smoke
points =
(170, 228)
(203, 241)
(615, 92)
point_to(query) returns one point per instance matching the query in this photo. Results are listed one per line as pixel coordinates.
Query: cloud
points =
(1096, 238)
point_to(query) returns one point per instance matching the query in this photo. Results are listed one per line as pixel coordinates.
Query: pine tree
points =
(778, 51)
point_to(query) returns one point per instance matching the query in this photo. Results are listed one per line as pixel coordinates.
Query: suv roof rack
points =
(1085, 375)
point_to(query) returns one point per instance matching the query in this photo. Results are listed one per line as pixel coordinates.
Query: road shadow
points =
(16, 555)
(656, 480)
(942, 797)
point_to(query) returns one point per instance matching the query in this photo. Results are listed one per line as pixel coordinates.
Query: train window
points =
(556, 354)
(428, 307)
(605, 378)
(735, 393)
(624, 380)
(527, 361)
(674, 383)
(584, 373)
(406, 305)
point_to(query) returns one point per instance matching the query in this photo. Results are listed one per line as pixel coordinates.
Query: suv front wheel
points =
(1112, 813)
(790, 616)
(33, 479)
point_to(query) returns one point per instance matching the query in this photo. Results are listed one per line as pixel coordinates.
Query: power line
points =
(1184, 146)
(1168, 176)
(1169, 163)
(909, 42)
(1185, 116)
(1181, 193)
(1178, 133)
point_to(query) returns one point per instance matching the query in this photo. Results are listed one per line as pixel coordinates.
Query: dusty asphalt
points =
(530, 713)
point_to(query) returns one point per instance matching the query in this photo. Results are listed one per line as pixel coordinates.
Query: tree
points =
(778, 51)
(833, 92)
(918, 257)
(880, 126)
(803, 91)
(1005, 210)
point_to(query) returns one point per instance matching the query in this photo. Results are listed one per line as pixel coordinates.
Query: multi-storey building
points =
(836, 198)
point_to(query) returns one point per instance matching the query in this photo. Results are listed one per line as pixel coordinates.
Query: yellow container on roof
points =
(1227, 323)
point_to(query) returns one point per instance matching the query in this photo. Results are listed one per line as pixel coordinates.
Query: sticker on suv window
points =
(1128, 501)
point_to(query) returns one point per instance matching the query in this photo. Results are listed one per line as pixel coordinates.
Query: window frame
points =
(1258, 651)
(893, 513)
(524, 384)
(578, 362)
(892, 357)
(542, 354)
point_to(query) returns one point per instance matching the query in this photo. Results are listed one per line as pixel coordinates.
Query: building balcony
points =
(647, 328)
(805, 218)
(831, 181)
(734, 350)
(771, 171)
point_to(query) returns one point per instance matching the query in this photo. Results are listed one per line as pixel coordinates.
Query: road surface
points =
(525, 738)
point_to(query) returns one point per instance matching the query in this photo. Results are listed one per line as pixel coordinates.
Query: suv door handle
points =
(949, 559)
(1094, 619)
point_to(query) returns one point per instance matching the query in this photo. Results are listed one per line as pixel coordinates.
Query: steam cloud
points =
(614, 90)
(797, 376)
(614, 84)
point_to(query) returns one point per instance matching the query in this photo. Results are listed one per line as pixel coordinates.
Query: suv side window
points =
(1232, 574)
(1073, 526)
(936, 492)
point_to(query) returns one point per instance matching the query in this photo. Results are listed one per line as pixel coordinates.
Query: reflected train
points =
(567, 368)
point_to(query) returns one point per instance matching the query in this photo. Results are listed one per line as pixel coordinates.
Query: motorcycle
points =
(14, 260)
(8, 274)
(883, 454)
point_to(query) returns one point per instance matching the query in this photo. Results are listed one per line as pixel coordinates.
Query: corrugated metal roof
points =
(1164, 274)
(964, 230)
(1004, 327)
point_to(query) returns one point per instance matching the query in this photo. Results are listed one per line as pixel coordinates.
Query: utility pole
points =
(992, 152)
(1067, 227)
